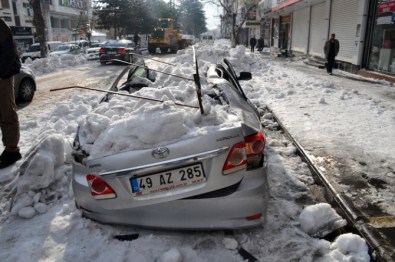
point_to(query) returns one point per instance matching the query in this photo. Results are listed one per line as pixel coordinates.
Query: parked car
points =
(216, 180)
(24, 85)
(34, 50)
(66, 49)
(118, 49)
(92, 52)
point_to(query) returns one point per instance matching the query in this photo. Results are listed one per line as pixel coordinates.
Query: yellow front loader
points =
(166, 36)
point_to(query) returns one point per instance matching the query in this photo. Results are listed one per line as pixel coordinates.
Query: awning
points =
(285, 4)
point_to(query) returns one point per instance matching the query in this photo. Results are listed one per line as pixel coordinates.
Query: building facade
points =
(66, 20)
(365, 29)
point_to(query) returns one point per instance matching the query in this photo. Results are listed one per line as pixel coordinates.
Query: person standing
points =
(331, 50)
(261, 43)
(136, 39)
(252, 43)
(9, 122)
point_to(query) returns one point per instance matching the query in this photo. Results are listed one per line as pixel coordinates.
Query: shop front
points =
(284, 34)
(382, 50)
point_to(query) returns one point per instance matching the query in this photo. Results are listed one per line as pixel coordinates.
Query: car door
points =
(234, 80)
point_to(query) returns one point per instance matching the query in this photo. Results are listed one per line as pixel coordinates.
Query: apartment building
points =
(66, 20)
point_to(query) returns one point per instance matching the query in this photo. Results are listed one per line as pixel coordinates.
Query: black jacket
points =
(327, 47)
(7, 49)
(252, 41)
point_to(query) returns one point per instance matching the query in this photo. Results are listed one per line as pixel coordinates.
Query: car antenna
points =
(117, 93)
(197, 82)
(128, 63)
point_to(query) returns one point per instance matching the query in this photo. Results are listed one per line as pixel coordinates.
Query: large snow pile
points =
(54, 63)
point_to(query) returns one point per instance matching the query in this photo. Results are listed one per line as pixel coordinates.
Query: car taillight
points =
(121, 51)
(236, 160)
(99, 188)
(102, 51)
(255, 145)
(254, 217)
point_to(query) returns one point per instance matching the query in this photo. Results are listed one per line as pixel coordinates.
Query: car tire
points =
(26, 90)
(103, 62)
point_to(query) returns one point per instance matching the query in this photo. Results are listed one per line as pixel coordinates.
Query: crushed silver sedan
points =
(217, 180)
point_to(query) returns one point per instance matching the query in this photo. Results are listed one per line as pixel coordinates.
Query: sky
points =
(41, 221)
(212, 15)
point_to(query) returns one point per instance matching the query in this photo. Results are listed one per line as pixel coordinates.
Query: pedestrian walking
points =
(331, 50)
(261, 43)
(252, 43)
(9, 123)
(136, 39)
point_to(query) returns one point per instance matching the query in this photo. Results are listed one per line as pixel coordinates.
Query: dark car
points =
(24, 85)
(216, 180)
(118, 49)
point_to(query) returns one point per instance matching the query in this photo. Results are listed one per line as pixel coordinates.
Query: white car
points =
(34, 50)
(66, 49)
(92, 53)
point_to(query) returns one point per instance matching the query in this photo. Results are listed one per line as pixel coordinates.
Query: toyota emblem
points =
(160, 152)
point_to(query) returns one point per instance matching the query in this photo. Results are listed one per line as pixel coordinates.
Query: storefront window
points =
(382, 53)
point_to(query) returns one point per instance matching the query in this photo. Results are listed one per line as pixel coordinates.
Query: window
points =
(27, 9)
(5, 4)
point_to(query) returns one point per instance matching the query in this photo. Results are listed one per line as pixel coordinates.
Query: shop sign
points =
(387, 7)
(251, 14)
(253, 23)
(79, 4)
(385, 20)
(21, 31)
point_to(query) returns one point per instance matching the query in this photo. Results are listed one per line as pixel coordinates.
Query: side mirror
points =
(245, 76)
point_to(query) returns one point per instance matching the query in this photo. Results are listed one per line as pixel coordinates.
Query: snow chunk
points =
(40, 207)
(349, 247)
(173, 255)
(27, 212)
(230, 243)
(24, 200)
(320, 219)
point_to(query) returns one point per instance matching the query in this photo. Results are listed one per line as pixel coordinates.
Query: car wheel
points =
(102, 62)
(26, 90)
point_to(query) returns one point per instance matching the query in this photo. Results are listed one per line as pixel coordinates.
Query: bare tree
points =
(39, 23)
(235, 14)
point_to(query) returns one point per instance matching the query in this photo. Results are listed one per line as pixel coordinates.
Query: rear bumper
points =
(228, 212)
(107, 58)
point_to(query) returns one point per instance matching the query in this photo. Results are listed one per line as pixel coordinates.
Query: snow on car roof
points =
(126, 123)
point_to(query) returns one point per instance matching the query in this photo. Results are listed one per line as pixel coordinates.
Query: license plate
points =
(111, 52)
(167, 181)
